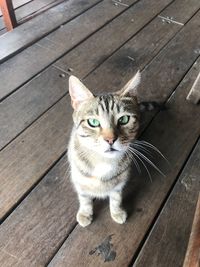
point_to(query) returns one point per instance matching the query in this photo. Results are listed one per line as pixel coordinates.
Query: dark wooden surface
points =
(35, 29)
(172, 229)
(104, 43)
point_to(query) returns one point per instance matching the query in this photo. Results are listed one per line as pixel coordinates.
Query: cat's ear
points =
(78, 92)
(131, 87)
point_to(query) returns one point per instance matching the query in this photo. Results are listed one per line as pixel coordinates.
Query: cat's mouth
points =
(111, 149)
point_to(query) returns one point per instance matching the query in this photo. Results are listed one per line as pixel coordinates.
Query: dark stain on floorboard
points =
(105, 250)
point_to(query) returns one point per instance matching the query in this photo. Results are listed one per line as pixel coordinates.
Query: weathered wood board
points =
(46, 89)
(35, 28)
(166, 69)
(29, 102)
(175, 12)
(34, 59)
(53, 200)
(172, 229)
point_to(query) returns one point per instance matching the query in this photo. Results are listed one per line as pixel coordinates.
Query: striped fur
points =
(98, 155)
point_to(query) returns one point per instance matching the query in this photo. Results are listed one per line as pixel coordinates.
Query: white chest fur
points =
(104, 170)
(94, 185)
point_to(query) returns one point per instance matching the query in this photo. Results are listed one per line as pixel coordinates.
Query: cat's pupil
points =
(93, 122)
(124, 120)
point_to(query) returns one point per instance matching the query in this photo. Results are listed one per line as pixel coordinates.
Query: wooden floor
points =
(104, 43)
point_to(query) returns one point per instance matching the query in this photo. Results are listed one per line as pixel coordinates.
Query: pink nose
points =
(110, 140)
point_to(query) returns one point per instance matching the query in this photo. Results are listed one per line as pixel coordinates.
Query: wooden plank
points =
(178, 127)
(143, 201)
(22, 108)
(168, 239)
(51, 192)
(7, 10)
(40, 93)
(174, 13)
(122, 24)
(35, 58)
(38, 27)
(8, 201)
(193, 253)
(35, 7)
(73, 60)
(33, 153)
(167, 68)
(121, 30)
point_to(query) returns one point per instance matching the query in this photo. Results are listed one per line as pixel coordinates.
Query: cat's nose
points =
(110, 140)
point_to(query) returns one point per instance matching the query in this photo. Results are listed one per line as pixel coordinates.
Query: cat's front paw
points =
(119, 217)
(83, 219)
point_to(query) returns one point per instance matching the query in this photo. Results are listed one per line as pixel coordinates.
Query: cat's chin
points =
(113, 153)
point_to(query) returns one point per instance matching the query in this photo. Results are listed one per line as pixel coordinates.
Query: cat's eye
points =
(93, 122)
(123, 120)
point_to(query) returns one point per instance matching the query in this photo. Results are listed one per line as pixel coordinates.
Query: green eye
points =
(123, 120)
(93, 122)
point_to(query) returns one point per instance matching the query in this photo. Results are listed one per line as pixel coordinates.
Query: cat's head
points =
(106, 123)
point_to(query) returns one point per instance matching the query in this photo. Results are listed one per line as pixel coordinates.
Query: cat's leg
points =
(85, 212)
(117, 213)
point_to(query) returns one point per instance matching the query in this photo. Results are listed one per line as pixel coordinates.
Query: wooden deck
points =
(104, 43)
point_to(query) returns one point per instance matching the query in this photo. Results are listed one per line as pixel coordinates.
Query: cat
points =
(100, 145)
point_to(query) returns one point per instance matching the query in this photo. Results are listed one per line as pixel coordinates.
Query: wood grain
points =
(34, 59)
(36, 28)
(32, 154)
(31, 101)
(166, 69)
(121, 30)
(181, 11)
(167, 242)
(53, 200)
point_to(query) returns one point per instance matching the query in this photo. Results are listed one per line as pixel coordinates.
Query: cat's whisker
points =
(147, 144)
(149, 161)
(134, 161)
(141, 162)
(143, 149)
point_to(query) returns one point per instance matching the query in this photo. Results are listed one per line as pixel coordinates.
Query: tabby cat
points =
(104, 128)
